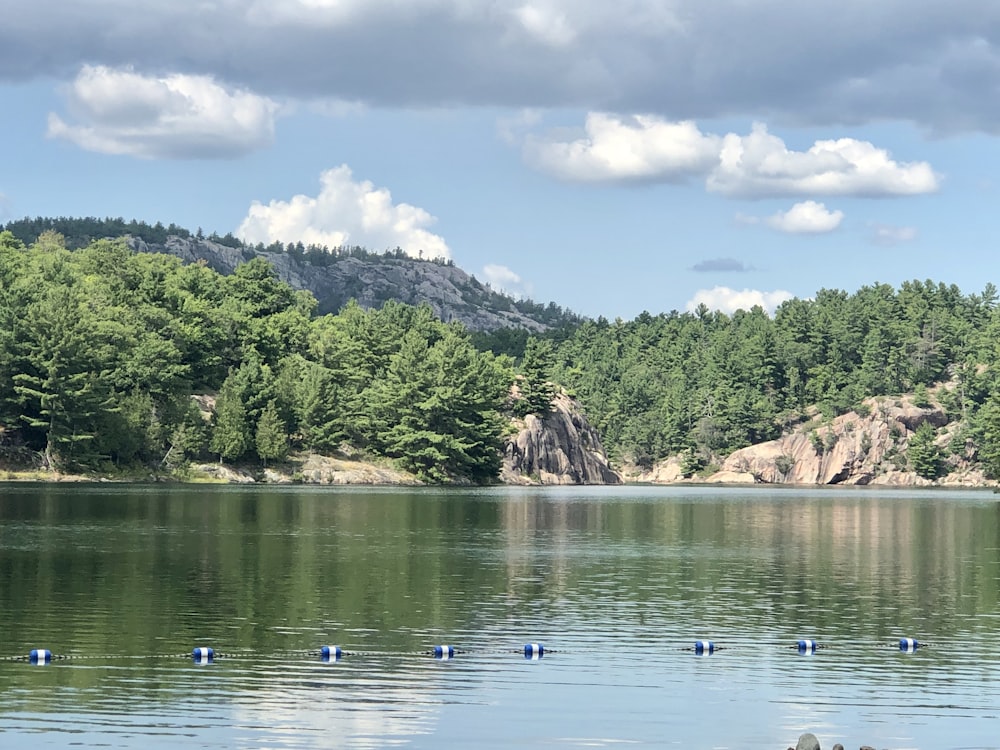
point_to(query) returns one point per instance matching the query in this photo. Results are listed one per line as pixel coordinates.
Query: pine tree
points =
(924, 456)
(271, 438)
(537, 391)
(231, 436)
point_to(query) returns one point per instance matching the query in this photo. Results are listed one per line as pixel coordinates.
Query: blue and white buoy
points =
(40, 656)
(444, 652)
(203, 655)
(534, 651)
(331, 653)
(704, 647)
(908, 645)
(808, 647)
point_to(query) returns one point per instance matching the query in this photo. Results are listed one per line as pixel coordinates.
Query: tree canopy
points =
(102, 350)
(708, 383)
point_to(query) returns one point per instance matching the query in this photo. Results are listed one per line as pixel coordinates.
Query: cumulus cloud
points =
(761, 165)
(808, 217)
(888, 235)
(172, 117)
(345, 212)
(613, 148)
(730, 300)
(758, 165)
(686, 59)
(715, 265)
(505, 280)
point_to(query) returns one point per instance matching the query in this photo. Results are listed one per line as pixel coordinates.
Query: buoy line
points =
(444, 652)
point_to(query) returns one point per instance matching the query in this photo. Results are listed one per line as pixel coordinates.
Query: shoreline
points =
(359, 473)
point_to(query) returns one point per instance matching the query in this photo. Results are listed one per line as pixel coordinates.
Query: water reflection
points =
(618, 583)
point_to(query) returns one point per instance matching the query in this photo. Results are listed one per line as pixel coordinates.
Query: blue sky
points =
(612, 157)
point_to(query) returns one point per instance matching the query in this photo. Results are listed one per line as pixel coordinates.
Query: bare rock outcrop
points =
(560, 448)
(853, 449)
(452, 293)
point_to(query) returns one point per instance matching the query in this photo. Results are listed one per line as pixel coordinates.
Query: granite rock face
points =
(852, 449)
(453, 294)
(561, 447)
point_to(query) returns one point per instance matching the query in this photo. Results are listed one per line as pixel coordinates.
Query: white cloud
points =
(730, 300)
(505, 280)
(646, 147)
(760, 164)
(345, 212)
(888, 235)
(808, 217)
(175, 116)
(613, 148)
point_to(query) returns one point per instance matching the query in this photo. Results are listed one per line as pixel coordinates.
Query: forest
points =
(702, 384)
(112, 360)
(102, 349)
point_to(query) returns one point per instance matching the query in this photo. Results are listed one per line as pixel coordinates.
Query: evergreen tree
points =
(58, 383)
(988, 435)
(537, 390)
(271, 439)
(231, 434)
(924, 456)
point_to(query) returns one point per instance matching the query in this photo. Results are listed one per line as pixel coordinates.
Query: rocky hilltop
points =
(855, 448)
(373, 279)
(560, 447)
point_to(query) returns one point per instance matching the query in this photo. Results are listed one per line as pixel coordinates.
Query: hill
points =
(333, 276)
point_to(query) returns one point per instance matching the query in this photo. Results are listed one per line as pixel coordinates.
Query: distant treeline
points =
(705, 383)
(80, 232)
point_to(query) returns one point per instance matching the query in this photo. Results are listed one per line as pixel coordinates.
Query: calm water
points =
(618, 583)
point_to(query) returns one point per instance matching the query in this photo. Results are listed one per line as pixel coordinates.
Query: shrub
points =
(784, 463)
(817, 442)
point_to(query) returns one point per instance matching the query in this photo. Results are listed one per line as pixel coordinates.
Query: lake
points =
(121, 583)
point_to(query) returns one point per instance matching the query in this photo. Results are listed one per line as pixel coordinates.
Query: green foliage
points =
(231, 433)
(437, 409)
(690, 462)
(987, 435)
(817, 443)
(924, 455)
(784, 463)
(656, 384)
(866, 443)
(920, 397)
(829, 441)
(271, 439)
(101, 350)
(537, 389)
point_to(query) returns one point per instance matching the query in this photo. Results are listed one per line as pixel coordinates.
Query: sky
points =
(613, 157)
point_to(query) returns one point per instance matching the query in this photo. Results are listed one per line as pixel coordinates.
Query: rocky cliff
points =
(559, 448)
(373, 279)
(853, 449)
